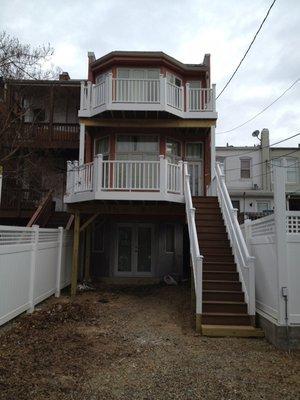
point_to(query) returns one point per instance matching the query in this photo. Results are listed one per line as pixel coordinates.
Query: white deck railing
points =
(145, 94)
(136, 90)
(196, 257)
(200, 99)
(125, 176)
(245, 263)
(130, 175)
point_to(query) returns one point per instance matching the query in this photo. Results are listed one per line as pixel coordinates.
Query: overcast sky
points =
(186, 30)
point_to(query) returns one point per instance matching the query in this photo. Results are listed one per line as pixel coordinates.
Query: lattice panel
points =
(293, 224)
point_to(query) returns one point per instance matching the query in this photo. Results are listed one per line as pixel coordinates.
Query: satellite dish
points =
(255, 133)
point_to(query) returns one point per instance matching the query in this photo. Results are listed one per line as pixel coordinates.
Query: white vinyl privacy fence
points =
(35, 263)
(274, 241)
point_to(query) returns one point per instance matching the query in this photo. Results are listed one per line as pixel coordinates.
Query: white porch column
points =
(81, 144)
(212, 151)
(280, 231)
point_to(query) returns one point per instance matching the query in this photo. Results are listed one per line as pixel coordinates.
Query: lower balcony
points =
(45, 134)
(129, 180)
(118, 94)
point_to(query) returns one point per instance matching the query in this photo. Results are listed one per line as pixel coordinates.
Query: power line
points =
(262, 111)
(263, 147)
(248, 49)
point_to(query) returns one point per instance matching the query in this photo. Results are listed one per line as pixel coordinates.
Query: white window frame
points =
(134, 152)
(171, 78)
(250, 168)
(263, 202)
(95, 146)
(130, 72)
(202, 151)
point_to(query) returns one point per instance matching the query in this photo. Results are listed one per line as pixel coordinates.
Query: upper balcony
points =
(122, 94)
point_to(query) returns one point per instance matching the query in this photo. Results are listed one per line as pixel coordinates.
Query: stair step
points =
(222, 285)
(209, 223)
(223, 295)
(218, 266)
(220, 306)
(220, 276)
(217, 236)
(211, 229)
(205, 199)
(209, 217)
(226, 319)
(215, 243)
(208, 210)
(217, 258)
(215, 251)
(231, 331)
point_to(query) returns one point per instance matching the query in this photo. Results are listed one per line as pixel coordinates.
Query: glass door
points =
(125, 250)
(134, 250)
(194, 159)
(144, 249)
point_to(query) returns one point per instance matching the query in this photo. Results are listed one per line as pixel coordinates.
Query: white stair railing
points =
(196, 257)
(245, 263)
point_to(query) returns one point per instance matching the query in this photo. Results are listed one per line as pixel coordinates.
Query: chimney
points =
(64, 76)
(91, 57)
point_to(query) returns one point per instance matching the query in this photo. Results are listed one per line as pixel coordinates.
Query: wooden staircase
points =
(224, 310)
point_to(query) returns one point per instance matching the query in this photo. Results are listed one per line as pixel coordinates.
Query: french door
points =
(134, 250)
(196, 181)
(194, 157)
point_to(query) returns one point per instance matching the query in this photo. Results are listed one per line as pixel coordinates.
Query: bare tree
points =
(19, 61)
(22, 61)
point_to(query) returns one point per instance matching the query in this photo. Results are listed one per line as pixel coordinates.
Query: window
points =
(245, 168)
(170, 238)
(101, 78)
(236, 204)
(262, 206)
(137, 73)
(134, 147)
(292, 170)
(174, 79)
(39, 115)
(102, 147)
(173, 150)
(98, 237)
(194, 151)
(195, 84)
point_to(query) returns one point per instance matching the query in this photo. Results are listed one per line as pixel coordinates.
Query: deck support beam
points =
(88, 236)
(75, 259)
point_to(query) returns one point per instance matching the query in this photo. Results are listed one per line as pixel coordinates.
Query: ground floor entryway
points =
(135, 343)
(134, 249)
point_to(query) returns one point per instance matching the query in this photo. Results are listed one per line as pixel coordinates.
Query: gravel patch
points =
(135, 343)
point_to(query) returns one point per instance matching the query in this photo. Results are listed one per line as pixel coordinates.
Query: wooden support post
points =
(88, 234)
(89, 221)
(75, 253)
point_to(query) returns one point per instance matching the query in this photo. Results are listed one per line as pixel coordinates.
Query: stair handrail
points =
(196, 257)
(41, 211)
(245, 262)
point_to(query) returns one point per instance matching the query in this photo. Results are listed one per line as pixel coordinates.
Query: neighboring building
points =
(249, 179)
(42, 133)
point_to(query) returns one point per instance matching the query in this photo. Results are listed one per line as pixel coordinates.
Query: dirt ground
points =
(135, 343)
